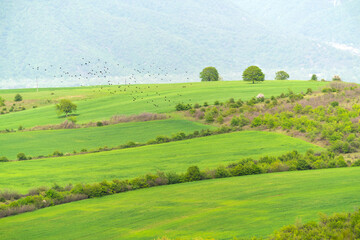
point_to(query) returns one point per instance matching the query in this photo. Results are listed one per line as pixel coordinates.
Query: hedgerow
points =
(14, 203)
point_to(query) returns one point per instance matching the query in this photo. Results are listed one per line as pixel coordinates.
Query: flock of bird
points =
(96, 72)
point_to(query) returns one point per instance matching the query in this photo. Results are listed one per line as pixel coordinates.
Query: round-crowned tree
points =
(18, 98)
(253, 74)
(209, 74)
(65, 106)
(282, 75)
(314, 77)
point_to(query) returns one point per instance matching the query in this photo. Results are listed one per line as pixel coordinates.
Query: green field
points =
(35, 143)
(241, 206)
(128, 163)
(99, 104)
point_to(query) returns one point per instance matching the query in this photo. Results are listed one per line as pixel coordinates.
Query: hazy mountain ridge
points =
(186, 35)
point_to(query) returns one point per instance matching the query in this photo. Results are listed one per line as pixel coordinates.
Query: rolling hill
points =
(97, 103)
(222, 209)
(206, 152)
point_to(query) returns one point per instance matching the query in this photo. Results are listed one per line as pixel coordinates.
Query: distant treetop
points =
(336, 78)
(282, 75)
(209, 74)
(314, 77)
(253, 74)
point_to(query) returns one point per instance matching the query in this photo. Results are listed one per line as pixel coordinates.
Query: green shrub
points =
(53, 194)
(302, 164)
(209, 117)
(222, 172)
(193, 174)
(18, 98)
(99, 124)
(58, 154)
(182, 107)
(334, 104)
(173, 178)
(129, 145)
(179, 136)
(4, 159)
(21, 156)
(356, 163)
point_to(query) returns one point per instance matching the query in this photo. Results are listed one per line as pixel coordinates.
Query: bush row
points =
(43, 197)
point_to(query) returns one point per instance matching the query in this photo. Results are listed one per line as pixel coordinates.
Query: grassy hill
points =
(35, 143)
(205, 152)
(241, 206)
(99, 104)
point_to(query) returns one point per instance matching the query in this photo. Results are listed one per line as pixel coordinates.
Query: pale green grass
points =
(35, 143)
(224, 208)
(99, 104)
(206, 152)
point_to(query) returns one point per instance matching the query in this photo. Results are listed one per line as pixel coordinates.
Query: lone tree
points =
(252, 74)
(65, 106)
(314, 77)
(18, 98)
(209, 74)
(335, 78)
(282, 75)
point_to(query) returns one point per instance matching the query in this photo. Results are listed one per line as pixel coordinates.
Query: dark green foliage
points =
(314, 77)
(222, 172)
(162, 139)
(282, 75)
(334, 104)
(99, 124)
(58, 154)
(356, 163)
(179, 136)
(192, 174)
(21, 156)
(18, 98)
(209, 74)
(302, 165)
(253, 74)
(129, 145)
(3, 159)
(182, 107)
(239, 121)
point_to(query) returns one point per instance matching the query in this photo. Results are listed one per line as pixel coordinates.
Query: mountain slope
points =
(186, 35)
